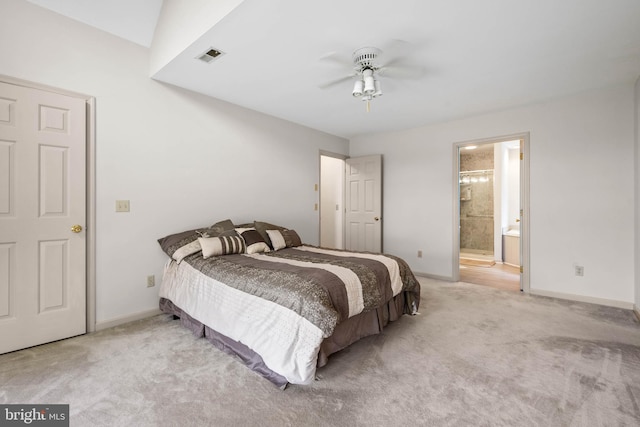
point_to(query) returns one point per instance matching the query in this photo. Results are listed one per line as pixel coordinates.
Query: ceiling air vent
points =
(210, 55)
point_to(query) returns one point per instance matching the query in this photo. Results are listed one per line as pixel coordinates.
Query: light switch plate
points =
(122, 206)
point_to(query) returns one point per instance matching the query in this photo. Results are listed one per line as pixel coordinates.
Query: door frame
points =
(525, 231)
(338, 156)
(90, 227)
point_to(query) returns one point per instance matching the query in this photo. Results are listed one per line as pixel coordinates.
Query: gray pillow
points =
(220, 227)
(180, 245)
(281, 239)
(262, 228)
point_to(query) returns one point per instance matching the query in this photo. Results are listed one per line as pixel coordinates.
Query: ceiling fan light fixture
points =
(357, 88)
(369, 86)
(369, 82)
(378, 91)
(367, 68)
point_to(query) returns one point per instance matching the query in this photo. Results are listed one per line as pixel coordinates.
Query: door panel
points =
(364, 203)
(7, 182)
(7, 279)
(42, 195)
(53, 185)
(53, 275)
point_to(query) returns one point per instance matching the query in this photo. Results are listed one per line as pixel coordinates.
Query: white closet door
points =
(42, 217)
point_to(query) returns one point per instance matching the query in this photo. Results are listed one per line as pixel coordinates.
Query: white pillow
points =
(186, 250)
(277, 239)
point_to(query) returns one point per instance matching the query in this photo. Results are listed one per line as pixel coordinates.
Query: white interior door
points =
(364, 203)
(42, 213)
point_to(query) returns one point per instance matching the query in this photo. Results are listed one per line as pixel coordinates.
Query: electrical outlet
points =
(122, 206)
(419, 254)
(579, 270)
(151, 281)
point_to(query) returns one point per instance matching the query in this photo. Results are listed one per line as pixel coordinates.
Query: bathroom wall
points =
(476, 200)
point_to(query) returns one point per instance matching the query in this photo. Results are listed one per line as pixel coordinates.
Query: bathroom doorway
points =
(489, 213)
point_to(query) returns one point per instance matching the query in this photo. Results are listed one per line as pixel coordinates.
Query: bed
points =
(255, 291)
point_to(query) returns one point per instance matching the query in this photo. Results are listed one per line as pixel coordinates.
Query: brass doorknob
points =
(76, 228)
(376, 218)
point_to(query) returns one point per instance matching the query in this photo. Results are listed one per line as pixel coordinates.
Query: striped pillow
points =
(223, 245)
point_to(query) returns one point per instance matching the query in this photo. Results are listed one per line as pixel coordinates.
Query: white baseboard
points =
(560, 295)
(583, 298)
(126, 319)
(433, 276)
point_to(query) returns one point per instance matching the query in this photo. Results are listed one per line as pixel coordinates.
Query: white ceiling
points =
(479, 56)
(134, 20)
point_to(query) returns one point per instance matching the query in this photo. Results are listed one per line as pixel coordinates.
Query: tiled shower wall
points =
(476, 204)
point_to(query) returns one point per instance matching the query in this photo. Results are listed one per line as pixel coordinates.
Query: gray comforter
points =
(315, 293)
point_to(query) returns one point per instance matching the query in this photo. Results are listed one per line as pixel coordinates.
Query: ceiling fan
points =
(367, 67)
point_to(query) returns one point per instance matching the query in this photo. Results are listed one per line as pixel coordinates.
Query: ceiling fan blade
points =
(338, 59)
(335, 82)
(402, 70)
(396, 64)
(398, 47)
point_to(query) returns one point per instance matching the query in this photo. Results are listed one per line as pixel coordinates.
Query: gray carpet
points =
(474, 356)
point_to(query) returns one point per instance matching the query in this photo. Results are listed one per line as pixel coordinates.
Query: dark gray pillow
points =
(262, 228)
(220, 227)
(291, 238)
(253, 240)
